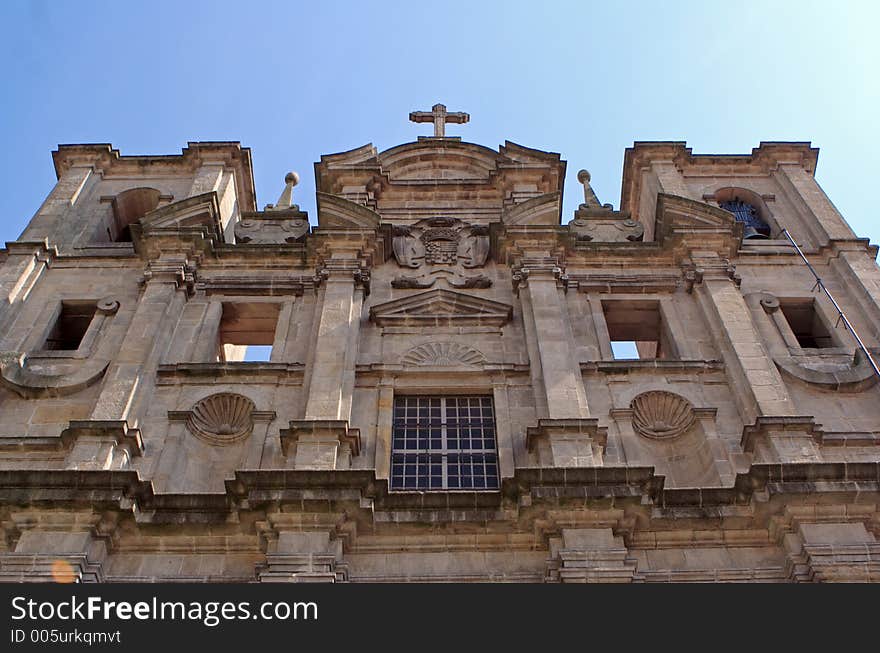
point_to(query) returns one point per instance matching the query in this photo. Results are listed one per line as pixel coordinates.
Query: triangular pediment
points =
(197, 213)
(441, 307)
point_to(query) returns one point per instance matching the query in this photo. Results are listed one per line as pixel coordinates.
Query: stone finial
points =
(590, 199)
(284, 202)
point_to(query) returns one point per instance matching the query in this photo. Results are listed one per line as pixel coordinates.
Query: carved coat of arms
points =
(439, 245)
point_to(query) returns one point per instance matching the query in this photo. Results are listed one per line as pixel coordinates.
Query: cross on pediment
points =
(439, 116)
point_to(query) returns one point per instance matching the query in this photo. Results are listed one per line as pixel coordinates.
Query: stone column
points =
(566, 436)
(323, 439)
(146, 341)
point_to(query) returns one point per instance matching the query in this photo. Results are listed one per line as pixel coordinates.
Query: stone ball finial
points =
(291, 178)
(584, 176)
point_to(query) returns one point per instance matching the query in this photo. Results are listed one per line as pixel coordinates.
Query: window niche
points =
(807, 324)
(637, 330)
(247, 331)
(70, 327)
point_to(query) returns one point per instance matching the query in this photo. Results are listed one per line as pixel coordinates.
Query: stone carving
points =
(479, 281)
(608, 228)
(598, 222)
(412, 282)
(222, 418)
(440, 242)
(658, 414)
(267, 229)
(107, 306)
(443, 354)
(770, 303)
(17, 374)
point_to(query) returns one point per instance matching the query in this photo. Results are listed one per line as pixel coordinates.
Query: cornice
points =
(107, 160)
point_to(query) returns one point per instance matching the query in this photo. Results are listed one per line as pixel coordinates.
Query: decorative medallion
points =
(443, 354)
(662, 415)
(222, 418)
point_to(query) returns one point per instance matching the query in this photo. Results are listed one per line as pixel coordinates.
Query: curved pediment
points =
(542, 210)
(439, 160)
(199, 213)
(677, 214)
(339, 213)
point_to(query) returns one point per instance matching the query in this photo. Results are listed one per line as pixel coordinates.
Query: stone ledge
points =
(320, 444)
(572, 442)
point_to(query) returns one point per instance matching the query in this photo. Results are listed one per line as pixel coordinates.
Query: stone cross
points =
(439, 116)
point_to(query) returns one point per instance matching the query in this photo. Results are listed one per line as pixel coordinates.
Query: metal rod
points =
(841, 316)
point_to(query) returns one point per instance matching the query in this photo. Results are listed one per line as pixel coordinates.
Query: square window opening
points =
(636, 330)
(71, 326)
(247, 331)
(444, 444)
(807, 324)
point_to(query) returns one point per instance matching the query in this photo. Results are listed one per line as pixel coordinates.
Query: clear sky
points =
(294, 80)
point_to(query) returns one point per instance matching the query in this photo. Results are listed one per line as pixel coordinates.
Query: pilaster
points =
(167, 283)
(758, 387)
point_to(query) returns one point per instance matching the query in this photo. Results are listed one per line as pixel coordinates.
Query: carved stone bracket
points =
(180, 271)
(526, 267)
(320, 444)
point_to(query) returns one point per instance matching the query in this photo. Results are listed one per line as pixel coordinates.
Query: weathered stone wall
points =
(439, 267)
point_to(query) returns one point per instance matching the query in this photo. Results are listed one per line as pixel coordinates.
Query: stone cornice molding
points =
(107, 160)
(762, 160)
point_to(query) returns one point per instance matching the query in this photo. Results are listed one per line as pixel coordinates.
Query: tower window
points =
(247, 331)
(636, 330)
(444, 443)
(753, 225)
(807, 325)
(129, 207)
(70, 327)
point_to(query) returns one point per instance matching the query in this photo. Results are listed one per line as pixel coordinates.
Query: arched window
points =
(129, 207)
(748, 208)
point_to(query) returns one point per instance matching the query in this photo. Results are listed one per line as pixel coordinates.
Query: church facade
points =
(445, 378)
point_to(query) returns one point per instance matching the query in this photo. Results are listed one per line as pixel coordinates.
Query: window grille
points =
(444, 443)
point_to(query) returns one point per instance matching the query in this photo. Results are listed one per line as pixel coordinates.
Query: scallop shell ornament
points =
(661, 415)
(222, 418)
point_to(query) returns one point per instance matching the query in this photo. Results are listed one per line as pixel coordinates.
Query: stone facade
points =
(136, 444)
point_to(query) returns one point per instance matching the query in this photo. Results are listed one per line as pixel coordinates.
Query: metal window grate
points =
(444, 443)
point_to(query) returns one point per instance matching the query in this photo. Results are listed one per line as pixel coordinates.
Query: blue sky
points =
(294, 80)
